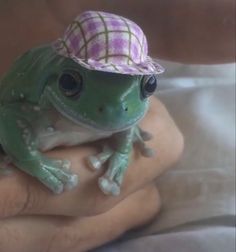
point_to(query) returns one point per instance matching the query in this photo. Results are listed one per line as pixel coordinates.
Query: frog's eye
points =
(148, 85)
(70, 83)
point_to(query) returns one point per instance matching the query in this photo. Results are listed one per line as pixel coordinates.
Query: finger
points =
(58, 234)
(20, 194)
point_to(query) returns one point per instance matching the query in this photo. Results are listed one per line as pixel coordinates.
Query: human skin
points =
(28, 23)
(60, 234)
(27, 204)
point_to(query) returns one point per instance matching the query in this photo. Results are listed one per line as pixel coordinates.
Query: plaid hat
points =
(107, 42)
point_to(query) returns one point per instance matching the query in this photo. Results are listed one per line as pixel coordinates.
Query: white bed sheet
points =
(198, 195)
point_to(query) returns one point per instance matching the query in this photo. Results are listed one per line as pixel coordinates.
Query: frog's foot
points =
(145, 151)
(146, 136)
(140, 138)
(96, 162)
(56, 176)
(110, 183)
(108, 186)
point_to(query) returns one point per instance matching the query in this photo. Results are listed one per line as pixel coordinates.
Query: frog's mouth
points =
(86, 122)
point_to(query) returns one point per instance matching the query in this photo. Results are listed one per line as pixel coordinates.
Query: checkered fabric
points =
(107, 42)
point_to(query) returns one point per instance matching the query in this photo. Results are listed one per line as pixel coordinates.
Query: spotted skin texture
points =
(47, 101)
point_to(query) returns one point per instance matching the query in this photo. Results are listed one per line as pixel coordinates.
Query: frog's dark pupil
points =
(151, 85)
(68, 82)
(148, 86)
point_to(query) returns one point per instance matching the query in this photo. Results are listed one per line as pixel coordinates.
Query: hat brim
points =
(150, 66)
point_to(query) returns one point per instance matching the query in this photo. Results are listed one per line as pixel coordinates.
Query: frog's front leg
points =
(96, 161)
(117, 156)
(18, 141)
(111, 181)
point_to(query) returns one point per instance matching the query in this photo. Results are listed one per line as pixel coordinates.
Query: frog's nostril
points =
(101, 109)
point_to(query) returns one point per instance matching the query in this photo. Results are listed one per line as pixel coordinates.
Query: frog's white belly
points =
(63, 132)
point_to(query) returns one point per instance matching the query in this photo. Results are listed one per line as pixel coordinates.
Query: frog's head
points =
(101, 100)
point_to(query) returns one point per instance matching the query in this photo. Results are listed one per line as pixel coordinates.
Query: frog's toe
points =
(58, 183)
(148, 152)
(53, 184)
(62, 164)
(60, 169)
(58, 189)
(66, 165)
(108, 186)
(146, 136)
(68, 179)
(94, 162)
(72, 182)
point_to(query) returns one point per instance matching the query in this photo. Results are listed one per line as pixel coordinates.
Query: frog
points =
(60, 95)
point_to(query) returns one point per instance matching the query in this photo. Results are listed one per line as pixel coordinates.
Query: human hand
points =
(20, 194)
(29, 204)
(60, 234)
(74, 214)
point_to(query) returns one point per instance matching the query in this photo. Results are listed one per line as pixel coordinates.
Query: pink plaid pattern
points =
(107, 42)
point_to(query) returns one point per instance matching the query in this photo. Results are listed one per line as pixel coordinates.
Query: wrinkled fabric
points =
(107, 42)
(198, 194)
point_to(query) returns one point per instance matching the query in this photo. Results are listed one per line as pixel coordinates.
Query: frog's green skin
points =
(36, 116)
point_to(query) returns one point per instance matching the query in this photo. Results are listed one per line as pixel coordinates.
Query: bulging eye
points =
(148, 85)
(70, 83)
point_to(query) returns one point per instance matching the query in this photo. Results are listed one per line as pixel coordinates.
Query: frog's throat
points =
(78, 119)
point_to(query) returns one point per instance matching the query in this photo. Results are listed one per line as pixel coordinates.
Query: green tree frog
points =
(62, 95)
